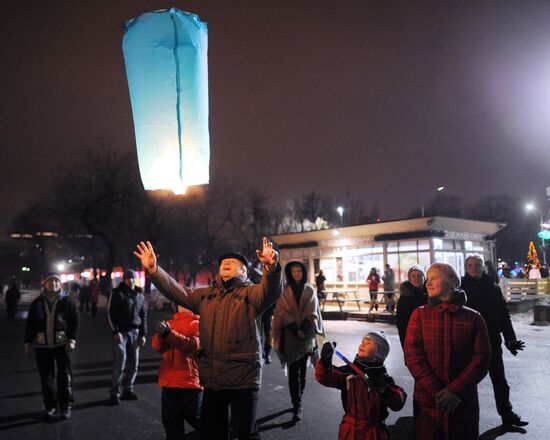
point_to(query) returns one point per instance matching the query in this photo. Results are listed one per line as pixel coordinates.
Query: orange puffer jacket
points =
(178, 368)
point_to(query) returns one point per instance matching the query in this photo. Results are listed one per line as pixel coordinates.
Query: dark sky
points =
(385, 99)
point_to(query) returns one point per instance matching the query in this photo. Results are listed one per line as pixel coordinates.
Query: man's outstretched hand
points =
(268, 256)
(514, 346)
(147, 256)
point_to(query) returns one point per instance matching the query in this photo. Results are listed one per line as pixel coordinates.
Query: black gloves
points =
(379, 384)
(326, 353)
(163, 329)
(514, 346)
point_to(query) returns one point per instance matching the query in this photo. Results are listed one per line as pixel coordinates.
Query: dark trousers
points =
(390, 302)
(297, 379)
(500, 385)
(84, 305)
(373, 299)
(126, 356)
(54, 367)
(215, 416)
(267, 318)
(11, 309)
(178, 405)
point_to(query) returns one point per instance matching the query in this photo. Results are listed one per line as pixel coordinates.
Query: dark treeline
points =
(99, 211)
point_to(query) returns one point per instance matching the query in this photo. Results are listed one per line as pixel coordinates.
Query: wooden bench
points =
(341, 297)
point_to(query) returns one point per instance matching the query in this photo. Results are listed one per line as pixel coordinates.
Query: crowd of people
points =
(214, 347)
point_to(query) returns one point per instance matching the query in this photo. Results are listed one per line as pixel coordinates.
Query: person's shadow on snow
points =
(498, 431)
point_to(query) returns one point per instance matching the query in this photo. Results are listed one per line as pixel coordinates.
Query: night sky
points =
(385, 99)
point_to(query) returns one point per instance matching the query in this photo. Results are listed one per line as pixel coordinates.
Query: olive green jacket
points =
(230, 346)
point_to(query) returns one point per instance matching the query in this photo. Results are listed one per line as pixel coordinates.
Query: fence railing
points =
(520, 289)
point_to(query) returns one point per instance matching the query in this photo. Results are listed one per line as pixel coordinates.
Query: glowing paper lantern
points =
(166, 64)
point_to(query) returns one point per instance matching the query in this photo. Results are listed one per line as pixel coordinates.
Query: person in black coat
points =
(413, 294)
(127, 318)
(13, 295)
(50, 329)
(484, 296)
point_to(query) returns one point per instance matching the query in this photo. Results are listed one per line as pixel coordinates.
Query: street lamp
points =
(531, 207)
(340, 210)
(439, 188)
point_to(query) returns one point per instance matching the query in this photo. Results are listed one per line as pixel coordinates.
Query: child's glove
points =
(379, 384)
(163, 329)
(326, 353)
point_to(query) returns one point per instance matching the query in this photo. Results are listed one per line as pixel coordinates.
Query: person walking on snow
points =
(484, 296)
(296, 323)
(51, 329)
(373, 281)
(127, 318)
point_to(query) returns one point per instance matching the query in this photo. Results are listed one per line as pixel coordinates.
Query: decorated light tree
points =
(532, 257)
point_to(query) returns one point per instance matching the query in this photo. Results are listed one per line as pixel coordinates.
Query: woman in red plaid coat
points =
(447, 352)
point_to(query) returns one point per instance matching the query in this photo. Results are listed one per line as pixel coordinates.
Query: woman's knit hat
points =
(448, 273)
(418, 268)
(49, 276)
(382, 344)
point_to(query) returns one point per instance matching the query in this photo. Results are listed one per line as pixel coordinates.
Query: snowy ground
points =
(20, 400)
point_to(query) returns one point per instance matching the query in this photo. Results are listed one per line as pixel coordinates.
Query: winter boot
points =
(513, 419)
(297, 412)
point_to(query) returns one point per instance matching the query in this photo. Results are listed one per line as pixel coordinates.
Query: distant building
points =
(346, 255)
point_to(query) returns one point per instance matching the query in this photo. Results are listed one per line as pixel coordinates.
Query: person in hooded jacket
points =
(181, 398)
(365, 399)
(230, 355)
(51, 329)
(486, 297)
(296, 323)
(412, 295)
(447, 351)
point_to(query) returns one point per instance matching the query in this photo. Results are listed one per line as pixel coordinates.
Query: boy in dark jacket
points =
(51, 327)
(127, 317)
(365, 398)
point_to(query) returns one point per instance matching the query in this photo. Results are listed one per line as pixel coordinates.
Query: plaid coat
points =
(447, 346)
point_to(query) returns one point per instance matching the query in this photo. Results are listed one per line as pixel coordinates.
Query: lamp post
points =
(340, 210)
(439, 188)
(531, 207)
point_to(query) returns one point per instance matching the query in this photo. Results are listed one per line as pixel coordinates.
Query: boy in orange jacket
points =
(178, 340)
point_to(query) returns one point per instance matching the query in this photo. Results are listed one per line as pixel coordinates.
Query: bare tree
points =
(253, 219)
(442, 204)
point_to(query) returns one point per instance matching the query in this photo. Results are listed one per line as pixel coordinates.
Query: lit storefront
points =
(346, 255)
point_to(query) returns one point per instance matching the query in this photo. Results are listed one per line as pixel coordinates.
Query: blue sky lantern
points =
(166, 64)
